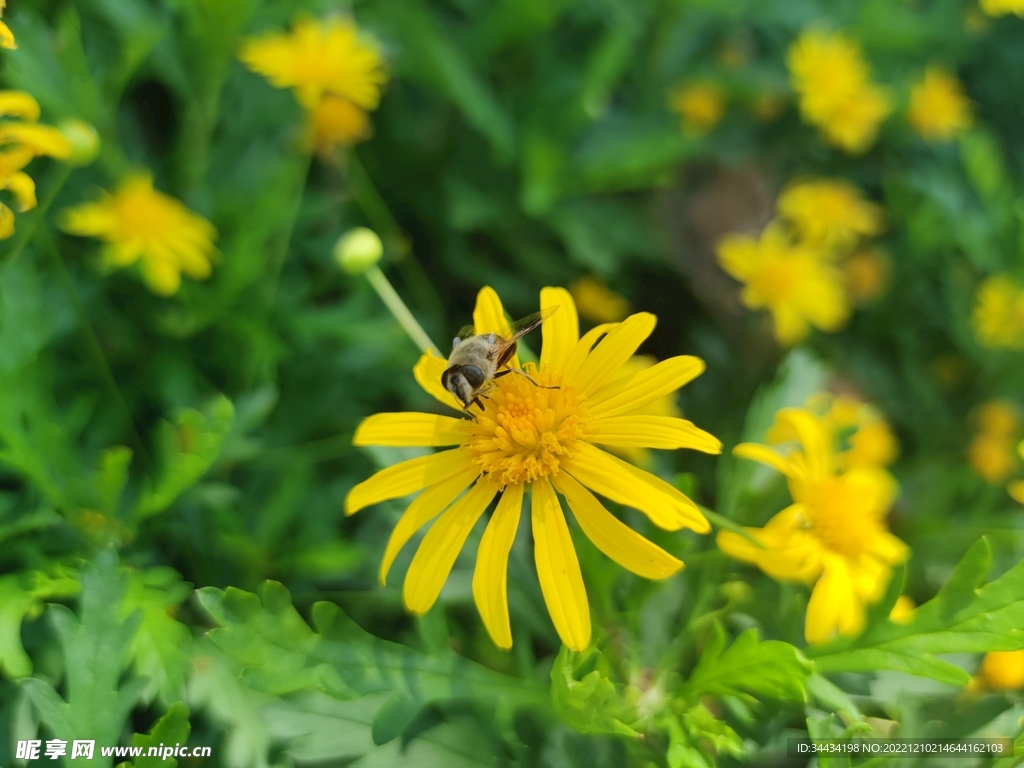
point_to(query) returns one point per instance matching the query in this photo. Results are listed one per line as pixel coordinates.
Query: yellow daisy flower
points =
(998, 316)
(335, 73)
(597, 303)
(939, 110)
(831, 78)
(20, 143)
(793, 281)
(1002, 7)
(543, 440)
(867, 275)
(991, 452)
(701, 106)
(834, 534)
(831, 213)
(139, 223)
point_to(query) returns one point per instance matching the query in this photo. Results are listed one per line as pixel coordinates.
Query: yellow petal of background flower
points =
(410, 429)
(644, 387)
(613, 478)
(582, 349)
(423, 508)
(558, 569)
(812, 437)
(7, 37)
(6, 222)
(764, 455)
(490, 577)
(489, 316)
(560, 332)
(18, 104)
(613, 537)
(833, 607)
(42, 139)
(437, 552)
(404, 478)
(428, 370)
(665, 432)
(23, 189)
(614, 350)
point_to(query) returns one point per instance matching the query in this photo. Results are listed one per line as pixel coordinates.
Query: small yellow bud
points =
(358, 250)
(85, 141)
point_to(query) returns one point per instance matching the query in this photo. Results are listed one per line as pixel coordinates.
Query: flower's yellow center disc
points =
(839, 521)
(525, 429)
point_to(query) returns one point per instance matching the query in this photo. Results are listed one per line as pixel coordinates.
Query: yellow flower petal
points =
(613, 537)
(489, 316)
(764, 455)
(833, 606)
(6, 222)
(436, 555)
(18, 103)
(404, 478)
(423, 508)
(163, 277)
(558, 569)
(613, 478)
(644, 387)
(490, 577)
(7, 37)
(1016, 490)
(582, 349)
(410, 429)
(614, 350)
(428, 372)
(560, 332)
(41, 139)
(24, 190)
(665, 432)
(812, 437)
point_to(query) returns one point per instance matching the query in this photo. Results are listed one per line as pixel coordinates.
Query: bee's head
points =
(463, 381)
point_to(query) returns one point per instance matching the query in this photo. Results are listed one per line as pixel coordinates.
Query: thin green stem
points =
(95, 350)
(56, 179)
(729, 525)
(401, 312)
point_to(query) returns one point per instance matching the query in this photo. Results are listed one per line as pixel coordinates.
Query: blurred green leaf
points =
(22, 596)
(170, 730)
(962, 617)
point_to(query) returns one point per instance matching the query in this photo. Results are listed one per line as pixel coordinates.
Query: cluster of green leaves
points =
(206, 438)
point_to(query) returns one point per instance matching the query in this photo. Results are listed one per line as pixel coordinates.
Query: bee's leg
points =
(522, 373)
(478, 403)
(506, 372)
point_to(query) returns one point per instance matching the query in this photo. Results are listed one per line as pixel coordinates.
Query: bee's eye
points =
(444, 377)
(474, 375)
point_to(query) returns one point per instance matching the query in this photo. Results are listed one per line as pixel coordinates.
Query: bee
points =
(477, 359)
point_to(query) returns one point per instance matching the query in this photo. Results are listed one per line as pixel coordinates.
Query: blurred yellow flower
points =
(537, 438)
(902, 610)
(701, 105)
(1002, 7)
(831, 78)
(597, 303)
(991, 452)
(831, 213)
(336, 75)
(1000, 671)
(833, 536)
(6, 36)
(939, 110)
(867, 275)
(998, 316)
(138, 223)
(793, 281)
(861, 436)
(21, 142)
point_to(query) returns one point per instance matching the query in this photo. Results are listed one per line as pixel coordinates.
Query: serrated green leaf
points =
(170, 730)
(95, 647)
(282, 654)
(961, 618)
(188, 448)
(765, 669)
(586, 698)
(21, 596)
(159, 650)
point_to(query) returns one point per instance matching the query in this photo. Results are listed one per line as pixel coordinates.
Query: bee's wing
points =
(523, 326)
(465, 332)
(505, 340)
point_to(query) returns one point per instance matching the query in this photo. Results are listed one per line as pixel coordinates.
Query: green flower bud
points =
(85, 141)
(358, 250)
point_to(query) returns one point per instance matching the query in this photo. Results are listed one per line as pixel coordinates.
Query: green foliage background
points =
(174, 560)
